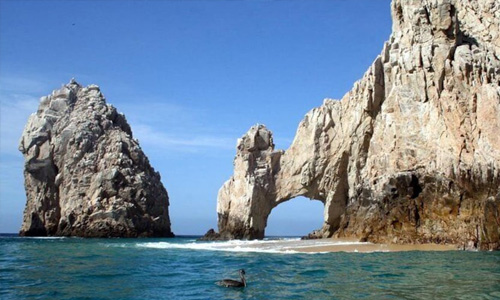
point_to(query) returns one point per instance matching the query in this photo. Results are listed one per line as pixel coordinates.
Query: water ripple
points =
(177, 269)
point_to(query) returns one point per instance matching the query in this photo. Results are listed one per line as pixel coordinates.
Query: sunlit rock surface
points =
(84, 173)
(410, 155)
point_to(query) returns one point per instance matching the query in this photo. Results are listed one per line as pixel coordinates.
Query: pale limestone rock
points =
(410, 155)
(247, 193)
(84, 173)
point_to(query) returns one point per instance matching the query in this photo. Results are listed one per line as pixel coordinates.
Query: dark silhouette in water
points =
(234, 283)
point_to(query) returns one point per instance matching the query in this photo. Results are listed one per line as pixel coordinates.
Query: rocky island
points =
(410, 155)
(85, 175)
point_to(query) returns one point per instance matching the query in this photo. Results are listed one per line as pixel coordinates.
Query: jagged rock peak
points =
(84, 173)
(410, 155)
(257, 138)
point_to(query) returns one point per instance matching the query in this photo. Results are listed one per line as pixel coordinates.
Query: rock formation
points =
(410, 155)
(84, 173)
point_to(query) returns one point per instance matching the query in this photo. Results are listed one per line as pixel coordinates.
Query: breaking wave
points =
(287, 245)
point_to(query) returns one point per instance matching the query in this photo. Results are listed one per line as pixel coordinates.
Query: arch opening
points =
(296, 217)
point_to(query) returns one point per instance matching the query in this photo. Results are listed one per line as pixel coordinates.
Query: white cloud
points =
(171, 127)
(17, 84)
(154, 111)
(15, 108)
(154, 138)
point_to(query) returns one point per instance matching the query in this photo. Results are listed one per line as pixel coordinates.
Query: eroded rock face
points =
(410, 155)
(243, 203)
(84, 173)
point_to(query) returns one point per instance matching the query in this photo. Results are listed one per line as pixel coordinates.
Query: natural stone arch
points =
(409, 155)
(265, 178)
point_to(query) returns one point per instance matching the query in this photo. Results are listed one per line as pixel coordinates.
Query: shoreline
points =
(345, 245)
(281, 245)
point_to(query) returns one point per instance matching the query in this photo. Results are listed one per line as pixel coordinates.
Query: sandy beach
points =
(295, 245)
(350, 245)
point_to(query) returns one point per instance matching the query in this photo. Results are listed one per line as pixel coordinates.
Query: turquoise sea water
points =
(181, 268)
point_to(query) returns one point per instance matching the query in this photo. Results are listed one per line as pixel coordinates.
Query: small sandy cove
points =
(343, 246)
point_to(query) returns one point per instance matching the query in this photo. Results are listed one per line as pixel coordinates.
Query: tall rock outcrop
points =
(246, 196)
(410, 155)
(84, 173)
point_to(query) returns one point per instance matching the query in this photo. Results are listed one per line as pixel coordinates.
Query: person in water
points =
(234, 283)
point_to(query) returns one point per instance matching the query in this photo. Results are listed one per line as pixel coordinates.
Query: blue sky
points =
(191, 77)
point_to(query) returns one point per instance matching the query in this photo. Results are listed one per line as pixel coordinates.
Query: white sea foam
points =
(45, 237)
(289, 245)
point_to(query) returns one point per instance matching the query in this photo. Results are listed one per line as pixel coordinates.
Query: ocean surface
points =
(182, 268)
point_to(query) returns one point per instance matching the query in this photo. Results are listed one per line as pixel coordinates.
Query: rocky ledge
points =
(84, 173)
(410, 155)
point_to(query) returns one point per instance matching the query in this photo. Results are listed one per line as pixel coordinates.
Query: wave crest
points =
(287, 246)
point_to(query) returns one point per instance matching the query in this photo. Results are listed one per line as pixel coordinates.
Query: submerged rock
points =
(410, 155)
(211, 235)
(84, 173)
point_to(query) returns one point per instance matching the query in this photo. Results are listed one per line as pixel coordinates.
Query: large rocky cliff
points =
(410, 155)
(84, 173)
